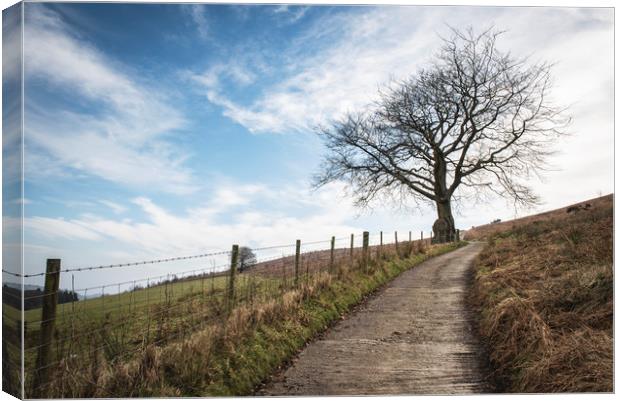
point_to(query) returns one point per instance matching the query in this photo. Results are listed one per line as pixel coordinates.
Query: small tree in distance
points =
(247, 258)
(476, 121)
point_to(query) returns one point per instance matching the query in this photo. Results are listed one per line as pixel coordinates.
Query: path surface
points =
(414, 337)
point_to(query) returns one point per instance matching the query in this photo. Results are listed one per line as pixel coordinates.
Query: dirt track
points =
(414, 337)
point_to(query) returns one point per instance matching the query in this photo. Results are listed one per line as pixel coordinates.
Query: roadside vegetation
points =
(544, 290)
(194, 343)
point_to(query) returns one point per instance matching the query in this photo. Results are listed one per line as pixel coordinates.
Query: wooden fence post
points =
(351, 252)
(297, 257)
(458, 235)
(380, 243)
(48, 318)
(421, 235)
(331, 255)
(396, 243)
(234, 258)
(409, 236)
(365, 250)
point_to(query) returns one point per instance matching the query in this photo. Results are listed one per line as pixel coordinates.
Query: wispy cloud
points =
(214, 81)
(291, 13)
(197, 13)
(21, 201)
(12, 100)
(357, 52)
(127, 126)
(233, 71)
(11, 44)
(165, 232)
(116, 208)
(59, 228)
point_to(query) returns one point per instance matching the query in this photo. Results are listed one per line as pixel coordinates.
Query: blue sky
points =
(156, 130)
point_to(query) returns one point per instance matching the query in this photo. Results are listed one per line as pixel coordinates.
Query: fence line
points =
(166, 260)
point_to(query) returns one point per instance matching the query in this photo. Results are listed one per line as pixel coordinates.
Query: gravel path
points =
(413, 337)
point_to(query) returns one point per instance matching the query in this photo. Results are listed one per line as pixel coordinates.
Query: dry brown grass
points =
(544, 287)
(486, 230)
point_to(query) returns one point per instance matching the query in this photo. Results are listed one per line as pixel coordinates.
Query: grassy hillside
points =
(544, 289)
(486, 230)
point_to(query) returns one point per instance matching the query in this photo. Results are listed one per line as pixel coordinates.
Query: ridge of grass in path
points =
(544, 289)
(235, 357)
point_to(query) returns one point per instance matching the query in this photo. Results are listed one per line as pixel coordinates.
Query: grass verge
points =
(233, 358)
(544, 290)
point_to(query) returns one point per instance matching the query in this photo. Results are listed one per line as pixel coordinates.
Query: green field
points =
(118, 326)
(114, 305)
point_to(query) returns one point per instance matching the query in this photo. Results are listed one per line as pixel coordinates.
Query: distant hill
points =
(27, 287)
(11, 295)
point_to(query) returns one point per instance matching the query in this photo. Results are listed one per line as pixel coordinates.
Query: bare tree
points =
(247, 258)
(476, 121)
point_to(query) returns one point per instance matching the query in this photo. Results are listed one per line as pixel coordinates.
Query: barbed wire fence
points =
(116, 321)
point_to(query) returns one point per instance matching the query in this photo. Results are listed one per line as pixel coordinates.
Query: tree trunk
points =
(443, 228)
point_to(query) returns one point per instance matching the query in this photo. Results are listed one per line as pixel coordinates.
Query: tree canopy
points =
(474, 121)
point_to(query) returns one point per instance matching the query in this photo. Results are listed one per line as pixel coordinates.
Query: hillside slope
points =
(484, 231)
(544, 290)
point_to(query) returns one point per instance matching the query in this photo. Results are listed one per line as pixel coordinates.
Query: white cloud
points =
(235, 214)
(12, 100)
(227, 197)
(59, 228)
(11, 44)
(282, 8)
(292, 13)
(197, 13)
(362, 50)
(90, 150)
(233, 71)
(116, 208)
(216, 78)
(66, 61)
(166, 233)
(21, 201)
(125, 141)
